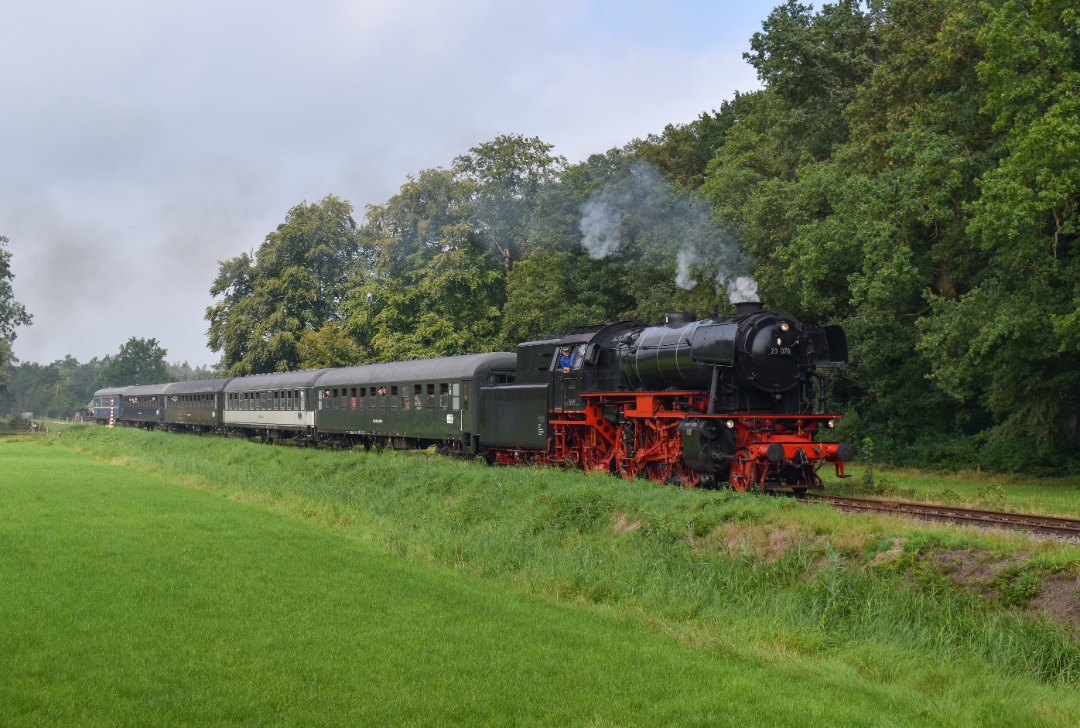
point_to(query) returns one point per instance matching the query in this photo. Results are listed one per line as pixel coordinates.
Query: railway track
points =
(1044, 525)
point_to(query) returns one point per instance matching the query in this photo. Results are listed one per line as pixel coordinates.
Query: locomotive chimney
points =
(748, 307)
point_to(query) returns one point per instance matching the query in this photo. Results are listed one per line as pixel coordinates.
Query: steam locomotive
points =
(737, 399)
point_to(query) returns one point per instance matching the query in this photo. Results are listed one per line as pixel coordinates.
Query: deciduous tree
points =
(139, 361)
(295, 284)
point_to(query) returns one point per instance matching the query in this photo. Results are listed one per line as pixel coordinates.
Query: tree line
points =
(909, 169)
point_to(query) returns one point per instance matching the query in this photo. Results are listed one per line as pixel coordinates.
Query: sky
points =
(143, 142)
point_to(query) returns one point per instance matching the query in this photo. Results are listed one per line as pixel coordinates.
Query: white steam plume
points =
(642, 206)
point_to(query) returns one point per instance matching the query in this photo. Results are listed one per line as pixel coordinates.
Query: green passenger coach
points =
(408, 404)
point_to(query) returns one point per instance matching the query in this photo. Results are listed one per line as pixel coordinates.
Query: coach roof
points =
(107, 391)
(197, 386)
(278, 380)
(142, 390)
(466, 366)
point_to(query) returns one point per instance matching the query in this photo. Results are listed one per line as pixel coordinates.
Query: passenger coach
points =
(107, 405)
(144, 405)
(272, 405)
(195, 405)
(408, 404)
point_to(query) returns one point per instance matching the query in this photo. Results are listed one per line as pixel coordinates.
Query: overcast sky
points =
(141, 141)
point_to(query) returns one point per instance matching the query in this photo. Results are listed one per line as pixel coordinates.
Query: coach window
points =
(444, 395)
(456, 389)
(418, 397)
(352, 398)
(393, 397)
(382, 397)
(431, 396)
(464, 395)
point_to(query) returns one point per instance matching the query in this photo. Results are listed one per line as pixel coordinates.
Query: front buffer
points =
(763, 452)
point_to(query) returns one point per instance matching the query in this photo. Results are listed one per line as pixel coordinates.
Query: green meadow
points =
(155, 579)
(1060, 497)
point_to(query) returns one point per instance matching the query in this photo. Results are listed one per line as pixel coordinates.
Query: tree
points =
(428, 284)
(139, 361)
(296, 283)
(12, 313)
(507, 175)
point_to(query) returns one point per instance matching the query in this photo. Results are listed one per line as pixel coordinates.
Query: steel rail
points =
(1048, 525)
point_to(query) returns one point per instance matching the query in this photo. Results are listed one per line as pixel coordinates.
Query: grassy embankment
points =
(141, 599)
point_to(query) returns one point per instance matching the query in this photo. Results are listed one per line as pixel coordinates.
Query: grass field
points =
(202, 581)
(984, 490)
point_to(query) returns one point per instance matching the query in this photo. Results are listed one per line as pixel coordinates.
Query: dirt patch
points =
(623, 524)
(1059, 599)
(769, 544)
(894, 552)
(972, 568)
(1058, 594)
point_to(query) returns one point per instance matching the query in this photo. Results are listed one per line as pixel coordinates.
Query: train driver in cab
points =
(566, 360)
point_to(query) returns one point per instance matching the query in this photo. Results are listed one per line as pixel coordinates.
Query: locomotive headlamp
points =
(730, 424)
(830, 424)
(784, 326)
